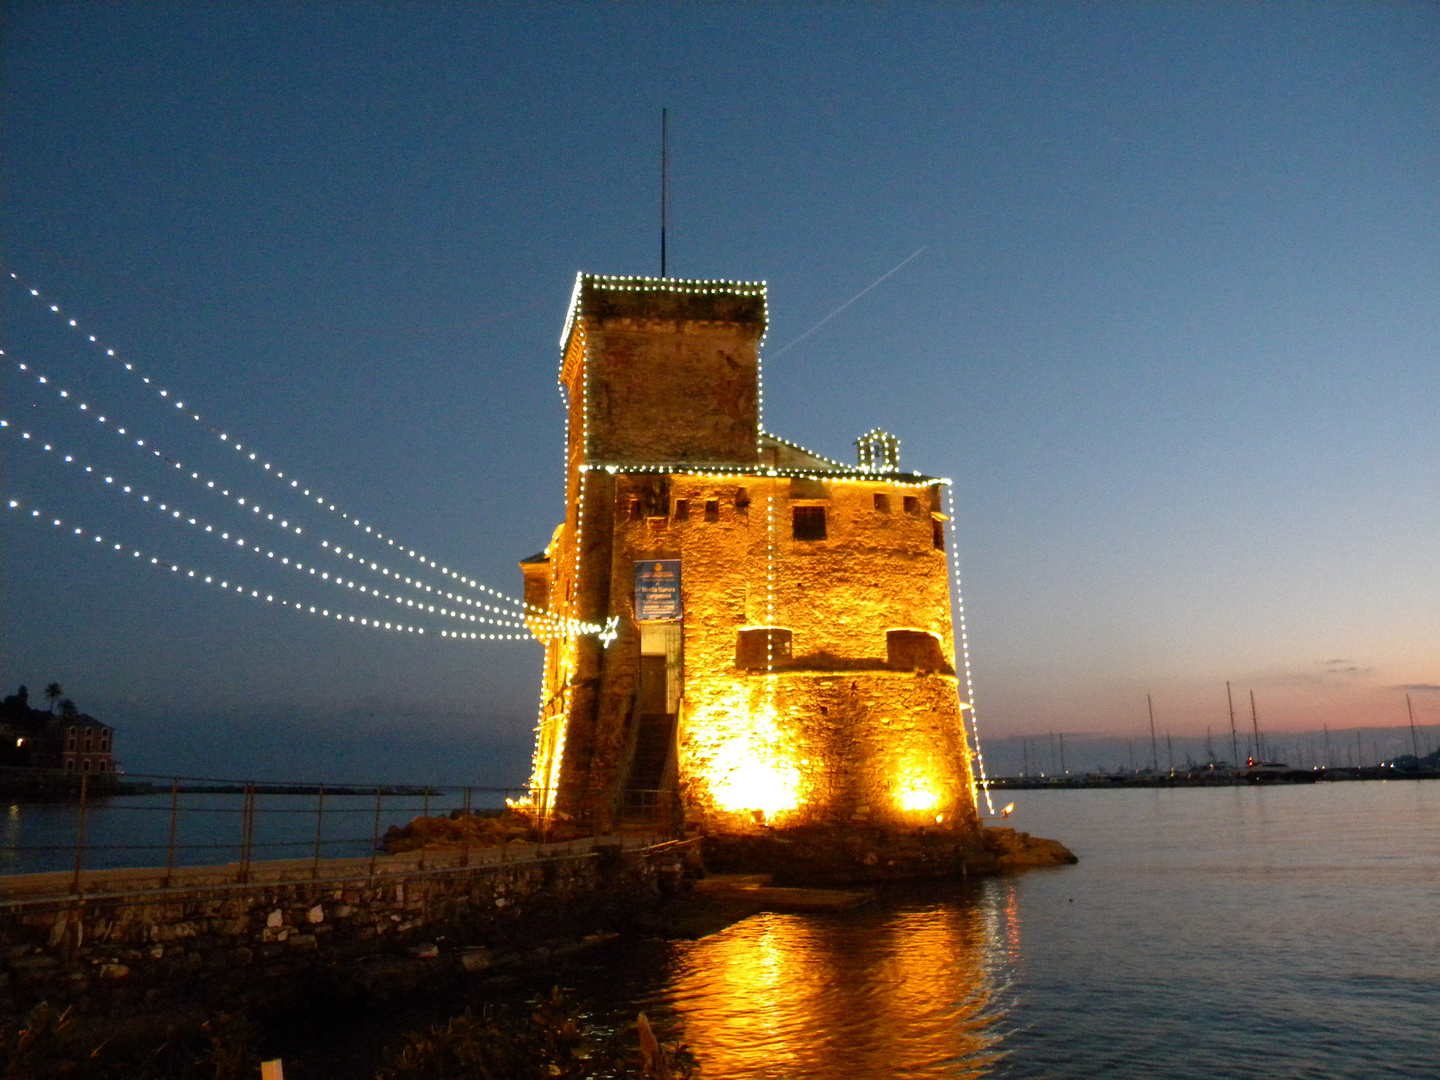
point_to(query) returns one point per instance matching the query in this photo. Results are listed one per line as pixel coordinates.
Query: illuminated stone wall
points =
(834, 732)
(853, 717)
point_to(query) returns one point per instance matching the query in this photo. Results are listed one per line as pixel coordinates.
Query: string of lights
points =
(963, 639)
(268, 517)
(631, 283)
(175, 515)
(843, 472)
(255, 458)
(796, 446)
(138, 557)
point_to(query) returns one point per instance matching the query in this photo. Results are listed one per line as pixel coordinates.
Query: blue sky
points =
(1174, 332)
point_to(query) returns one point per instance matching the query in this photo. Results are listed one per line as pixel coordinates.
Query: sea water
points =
(1221, 932)
(1205, 933)
(204, 829)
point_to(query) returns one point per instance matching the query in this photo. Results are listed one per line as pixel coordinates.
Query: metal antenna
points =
(664, 170)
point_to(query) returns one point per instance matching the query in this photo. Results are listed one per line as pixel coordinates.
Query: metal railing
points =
(173, 826)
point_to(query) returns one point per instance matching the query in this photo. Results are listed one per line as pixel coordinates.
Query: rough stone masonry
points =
(795, 666)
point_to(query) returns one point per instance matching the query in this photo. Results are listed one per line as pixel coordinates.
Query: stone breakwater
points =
(221, 944)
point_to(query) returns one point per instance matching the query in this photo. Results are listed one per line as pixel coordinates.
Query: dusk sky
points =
(1173, 329)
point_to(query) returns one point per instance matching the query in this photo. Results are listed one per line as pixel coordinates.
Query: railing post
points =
(319, 820)
(465, 830)
(375, 840)
(80, 833)
(425, 813)
(247, 826)
(170, 846)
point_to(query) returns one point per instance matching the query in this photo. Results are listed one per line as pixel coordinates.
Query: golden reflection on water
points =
(913, 992)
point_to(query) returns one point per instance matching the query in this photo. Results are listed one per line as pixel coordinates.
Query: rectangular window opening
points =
(912, 505)
(914, 650)
(758, 648)
(939, 533)
(682, 510)
(882, 504)
(808, 522)
(712, 510)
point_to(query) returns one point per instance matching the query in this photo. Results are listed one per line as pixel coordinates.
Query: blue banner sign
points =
(657, 590)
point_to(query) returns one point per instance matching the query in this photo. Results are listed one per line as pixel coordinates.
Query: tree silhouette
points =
(67, 708)
(54, 692)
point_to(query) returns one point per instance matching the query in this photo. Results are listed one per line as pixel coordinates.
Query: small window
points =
(636, 511)
(939, 534)
(912, 505)
(882, 504)
(914, 650)
(760, 647)
(809, 522)
(712, 510)
(653, 494)
(742, 501)
(69, 764)
(682, 509)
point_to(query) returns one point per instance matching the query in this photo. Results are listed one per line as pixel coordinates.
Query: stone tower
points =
(777, 654)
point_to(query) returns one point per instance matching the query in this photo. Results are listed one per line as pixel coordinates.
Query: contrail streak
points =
(847, 303)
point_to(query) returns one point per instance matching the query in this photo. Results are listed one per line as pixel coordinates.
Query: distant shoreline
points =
(1102, 780)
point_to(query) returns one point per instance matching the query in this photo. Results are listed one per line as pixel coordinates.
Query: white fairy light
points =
(175, 568)
(271, 598)
(177, 515)
(964, 649)
(266, 466)
(544, 618)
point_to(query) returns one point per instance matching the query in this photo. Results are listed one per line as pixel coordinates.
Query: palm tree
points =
(54, 692)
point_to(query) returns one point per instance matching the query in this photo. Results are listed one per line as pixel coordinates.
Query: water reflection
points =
(915, 991)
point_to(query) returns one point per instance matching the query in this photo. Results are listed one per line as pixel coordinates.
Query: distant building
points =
(38, 739)
(778, 649)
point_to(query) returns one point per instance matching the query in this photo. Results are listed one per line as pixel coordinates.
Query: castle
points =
(737, 630)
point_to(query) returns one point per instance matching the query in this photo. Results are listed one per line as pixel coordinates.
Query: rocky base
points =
(1013, 850)
(827, 856)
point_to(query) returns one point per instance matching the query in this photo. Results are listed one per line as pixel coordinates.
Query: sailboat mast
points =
(1255, 723)
(1154, 753)
(1414, 739)
(1234, 743)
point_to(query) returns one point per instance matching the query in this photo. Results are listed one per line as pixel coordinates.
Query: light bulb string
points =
(254, 457)
(266, 517)
(964, 650)
(137, 557)
(175, 516)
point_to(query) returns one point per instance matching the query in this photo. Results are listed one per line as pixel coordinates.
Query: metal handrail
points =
(597, 811)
